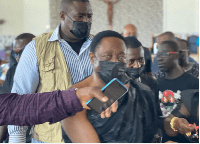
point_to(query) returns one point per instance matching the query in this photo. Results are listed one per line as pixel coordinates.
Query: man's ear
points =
(92, 58)
(62, 15)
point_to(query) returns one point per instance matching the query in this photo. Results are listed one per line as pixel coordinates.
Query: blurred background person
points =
(131, 30)
(190, 67)
(18, 46)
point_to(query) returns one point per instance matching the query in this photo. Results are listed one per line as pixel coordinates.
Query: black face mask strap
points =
(68, 16)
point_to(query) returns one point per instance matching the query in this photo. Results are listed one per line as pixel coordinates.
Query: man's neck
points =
(174, 73)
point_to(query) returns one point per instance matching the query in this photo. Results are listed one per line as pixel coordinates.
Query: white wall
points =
(181, 16)
(36, 16)
(24, 16)
(12, 12)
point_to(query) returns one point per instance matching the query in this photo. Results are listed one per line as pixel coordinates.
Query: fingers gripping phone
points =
(114, 90)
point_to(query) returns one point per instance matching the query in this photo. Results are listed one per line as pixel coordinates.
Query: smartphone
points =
(114, 90)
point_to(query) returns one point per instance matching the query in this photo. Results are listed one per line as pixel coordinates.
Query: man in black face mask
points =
(135, 63)
(136, 113)
(52, 61)
(134, 67)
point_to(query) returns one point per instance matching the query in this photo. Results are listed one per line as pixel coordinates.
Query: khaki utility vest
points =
(54, 75)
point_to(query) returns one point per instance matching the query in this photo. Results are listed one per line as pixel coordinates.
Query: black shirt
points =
(170, 93)
(76, 46)
(153, 85)
(189, 104)
(147, 56)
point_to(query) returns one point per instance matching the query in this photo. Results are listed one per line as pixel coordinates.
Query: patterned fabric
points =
(194, 70)
(26, 77)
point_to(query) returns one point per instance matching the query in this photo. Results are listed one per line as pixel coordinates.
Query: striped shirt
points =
(26, 79)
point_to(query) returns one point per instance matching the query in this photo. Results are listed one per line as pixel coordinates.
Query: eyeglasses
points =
(165, 54)
(141, 61)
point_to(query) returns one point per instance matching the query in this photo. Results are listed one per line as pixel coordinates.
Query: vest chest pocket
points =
(48, 75)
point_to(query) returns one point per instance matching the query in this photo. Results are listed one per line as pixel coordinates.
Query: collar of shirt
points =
(56, 36)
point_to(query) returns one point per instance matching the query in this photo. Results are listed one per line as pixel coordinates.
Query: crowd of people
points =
(50, 78)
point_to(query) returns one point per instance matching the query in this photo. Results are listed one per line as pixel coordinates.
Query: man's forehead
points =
(135, 51)
(81, 7)
(164, 48)
(19, 42)
(111, 43)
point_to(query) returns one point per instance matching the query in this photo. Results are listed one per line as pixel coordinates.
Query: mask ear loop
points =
(65, 23)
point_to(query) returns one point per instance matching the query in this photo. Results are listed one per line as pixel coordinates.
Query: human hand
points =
(87, 93)
(183, 126)
(108, 111)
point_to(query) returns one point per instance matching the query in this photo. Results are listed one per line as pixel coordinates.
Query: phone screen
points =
(114, 90)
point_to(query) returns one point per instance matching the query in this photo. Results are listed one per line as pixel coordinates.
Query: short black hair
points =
(97, 38)
(168, 34)
(28, 36)
(68, 2)
(184, 41)
(171, 45)
(132, 42)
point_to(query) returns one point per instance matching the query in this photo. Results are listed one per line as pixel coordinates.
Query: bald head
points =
(166, 36)
(130, 30)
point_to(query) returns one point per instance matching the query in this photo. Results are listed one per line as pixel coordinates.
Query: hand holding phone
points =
(113, 90)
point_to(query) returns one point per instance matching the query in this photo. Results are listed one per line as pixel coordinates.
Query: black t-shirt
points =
(183, 82)
(153, 85)
(170, 92)
(189, 104)
(76, 46)
(147, 56)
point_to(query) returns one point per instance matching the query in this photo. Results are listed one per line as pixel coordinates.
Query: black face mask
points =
(109, 70)
(81, 29)
(134, 73)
